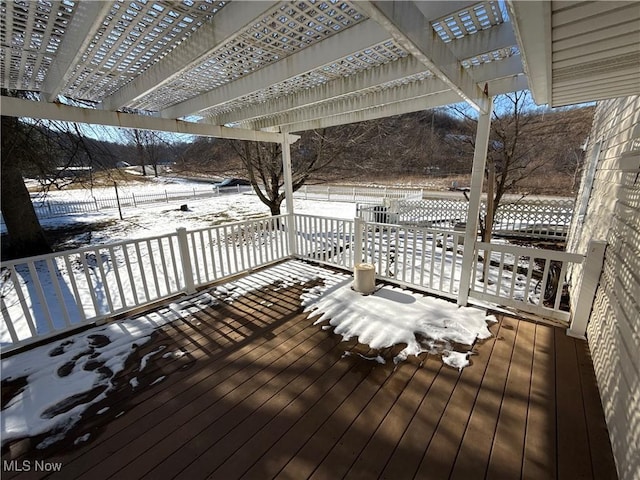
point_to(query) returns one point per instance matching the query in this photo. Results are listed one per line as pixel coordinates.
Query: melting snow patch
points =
(393, 316)
(63, 378)
(82, 439)
(457, 360)
(377, 358)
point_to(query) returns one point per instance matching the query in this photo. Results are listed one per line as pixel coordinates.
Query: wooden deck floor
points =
(262, 393)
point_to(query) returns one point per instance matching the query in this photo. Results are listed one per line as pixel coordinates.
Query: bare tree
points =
(148, 145)
(19, 148)
(524, 141)
(310, 156)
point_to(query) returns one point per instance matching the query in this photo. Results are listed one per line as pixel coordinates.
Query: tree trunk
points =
(26, 237)
(275, 209)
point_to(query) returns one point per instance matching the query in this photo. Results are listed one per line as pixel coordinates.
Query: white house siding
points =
(613, 214)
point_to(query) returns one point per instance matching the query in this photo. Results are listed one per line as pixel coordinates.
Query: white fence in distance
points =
(49, 207)
(543, 219)
(356, 194)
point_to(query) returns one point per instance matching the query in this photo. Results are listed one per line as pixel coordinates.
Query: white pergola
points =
(262, 70)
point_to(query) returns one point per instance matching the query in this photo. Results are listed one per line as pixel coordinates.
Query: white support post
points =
(357, 240)
(591, 271)
(288, 191)
(477, 177)
(185, 260)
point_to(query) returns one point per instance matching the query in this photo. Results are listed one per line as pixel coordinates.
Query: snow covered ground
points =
(162, 218)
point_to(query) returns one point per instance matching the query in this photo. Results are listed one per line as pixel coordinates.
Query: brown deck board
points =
(263, 393)
(329, 399)
(349, 446)
(410, 450)
(573, 444)
(508, 444)
(183, 440)
(540, 437)
(377, 452)
(475, 449)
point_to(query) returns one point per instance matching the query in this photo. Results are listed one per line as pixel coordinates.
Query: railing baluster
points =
(563, 274)
(454, 261)
(163, 262)
(116, 271)
(37, 284)
(74, 287)
(205, 262)
(92, 287)
(132, 283)
(53, 275)
(143, 275)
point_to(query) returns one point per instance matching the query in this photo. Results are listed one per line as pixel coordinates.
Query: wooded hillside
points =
(426, 145)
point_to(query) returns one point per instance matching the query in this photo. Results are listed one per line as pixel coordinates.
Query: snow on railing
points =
(49, 294)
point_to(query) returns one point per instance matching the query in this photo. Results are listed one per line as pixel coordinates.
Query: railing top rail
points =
(431, 230)
(307, 215)
(37, 258)
(267, 217)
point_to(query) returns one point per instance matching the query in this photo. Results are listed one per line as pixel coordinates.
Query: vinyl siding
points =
(613, 214)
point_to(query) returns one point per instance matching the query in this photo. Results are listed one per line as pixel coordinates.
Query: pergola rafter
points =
(252, 64)
(412, 30)
(83, 27)
(223, 28)
(348, 42)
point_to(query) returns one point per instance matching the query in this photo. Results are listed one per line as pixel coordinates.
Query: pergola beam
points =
(352, 40)
(482, 42)
(407, 24)
(86, 21)
(368, 78)
(399, 108)
(396, 99)
(17, 107)
(354, 104)
(226, 25)
(534, 39)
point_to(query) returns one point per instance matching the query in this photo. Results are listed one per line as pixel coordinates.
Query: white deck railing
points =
(51, 294)
(325, 240)
(529, 279)
(430, 260)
